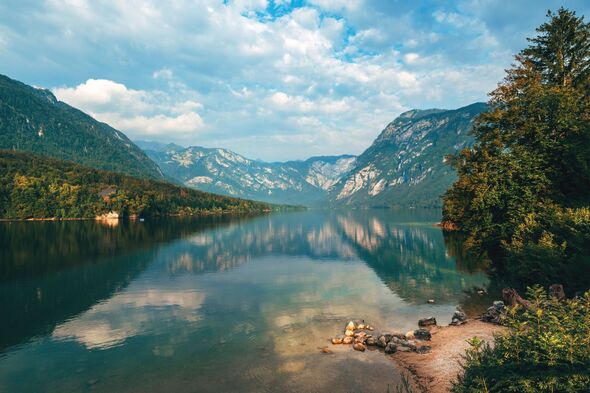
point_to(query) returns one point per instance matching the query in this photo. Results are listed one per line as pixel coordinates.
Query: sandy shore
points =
(434, 371)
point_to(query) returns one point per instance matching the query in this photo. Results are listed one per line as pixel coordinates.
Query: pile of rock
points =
(361, 336)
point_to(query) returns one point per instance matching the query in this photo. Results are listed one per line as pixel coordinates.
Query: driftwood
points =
(512, 298)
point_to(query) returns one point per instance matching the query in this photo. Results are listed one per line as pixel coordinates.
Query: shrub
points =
(546, 349)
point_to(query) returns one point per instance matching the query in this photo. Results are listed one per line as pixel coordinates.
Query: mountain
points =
(222, 171)
(35, 186)
(34, 120)
(405, 164)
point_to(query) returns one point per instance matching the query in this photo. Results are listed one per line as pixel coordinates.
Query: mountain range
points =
(222, 171)
(404, 166)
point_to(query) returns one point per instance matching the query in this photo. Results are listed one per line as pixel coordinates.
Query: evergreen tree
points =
(531, 159)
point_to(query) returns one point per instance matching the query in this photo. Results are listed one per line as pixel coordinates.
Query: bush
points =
(546, 349)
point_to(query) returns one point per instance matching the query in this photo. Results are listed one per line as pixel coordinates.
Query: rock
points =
(349, 333)
(391, 348)
(498, 305)
(347, 340)
(371, 328)
(481, 292)
(430, 301)
(350, 326)
(360, 340)
(361, 326)
(459, 317)
(337, 340)
(399, 335)
(360, 334)
(387, 336)
(422, 334)
(494, 313)
(326, 350)
(404, 349)
(423, 349)
(430, 321)
(381, 342)
(400, 342)
(410, 335)
(359, 347)
(371, 341)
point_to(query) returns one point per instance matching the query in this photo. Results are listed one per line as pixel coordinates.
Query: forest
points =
(33, 186)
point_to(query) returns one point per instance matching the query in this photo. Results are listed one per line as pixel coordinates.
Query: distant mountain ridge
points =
(225, 172)
(405, 164)
(34, 120)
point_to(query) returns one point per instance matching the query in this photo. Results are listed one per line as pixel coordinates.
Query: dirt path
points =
(433, 372)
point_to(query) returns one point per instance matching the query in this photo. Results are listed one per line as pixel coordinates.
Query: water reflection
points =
(164, 306)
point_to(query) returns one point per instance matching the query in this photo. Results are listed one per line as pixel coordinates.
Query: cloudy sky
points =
(273, 80)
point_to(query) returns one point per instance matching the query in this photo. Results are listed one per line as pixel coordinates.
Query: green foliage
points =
(34, 120)
(546, 349)
(38, 187)
(524, 186)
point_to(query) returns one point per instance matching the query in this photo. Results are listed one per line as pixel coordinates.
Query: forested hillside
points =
(33, 186)
(34, 120)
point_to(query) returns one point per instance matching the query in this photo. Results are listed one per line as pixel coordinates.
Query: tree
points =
(531, 159)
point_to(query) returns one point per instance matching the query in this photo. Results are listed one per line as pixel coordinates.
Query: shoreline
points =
(433, 372)
(98, 218)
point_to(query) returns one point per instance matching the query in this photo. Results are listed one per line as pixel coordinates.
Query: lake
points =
(220, 304)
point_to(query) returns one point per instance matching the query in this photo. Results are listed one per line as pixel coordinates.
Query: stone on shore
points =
(351, 326)
(430, 321)
(337, 340)
(422, 334)
(349, 333)
(391, 348)
(347, 340)
(359, 347)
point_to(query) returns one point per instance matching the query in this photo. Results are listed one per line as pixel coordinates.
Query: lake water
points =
(219, 304)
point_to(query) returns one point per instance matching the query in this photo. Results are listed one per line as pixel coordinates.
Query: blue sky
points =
(274, 80)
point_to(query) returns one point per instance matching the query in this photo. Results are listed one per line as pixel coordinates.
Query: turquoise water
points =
(240, 304)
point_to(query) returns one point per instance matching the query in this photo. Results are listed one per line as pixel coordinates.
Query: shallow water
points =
(224, 304)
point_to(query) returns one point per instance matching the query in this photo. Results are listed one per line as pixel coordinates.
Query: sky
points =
(270, 79)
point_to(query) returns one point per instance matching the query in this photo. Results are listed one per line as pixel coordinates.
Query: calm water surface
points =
(218, 304)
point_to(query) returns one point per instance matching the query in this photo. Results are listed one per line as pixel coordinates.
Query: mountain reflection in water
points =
(174, 303)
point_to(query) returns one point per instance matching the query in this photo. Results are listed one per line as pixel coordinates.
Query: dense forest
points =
(33, 186)
(523, 198)
(523, 194)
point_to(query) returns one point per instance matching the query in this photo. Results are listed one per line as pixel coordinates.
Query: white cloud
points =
(136, 112)
(236, 76)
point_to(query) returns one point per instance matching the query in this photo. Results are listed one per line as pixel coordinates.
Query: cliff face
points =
(405, 164)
